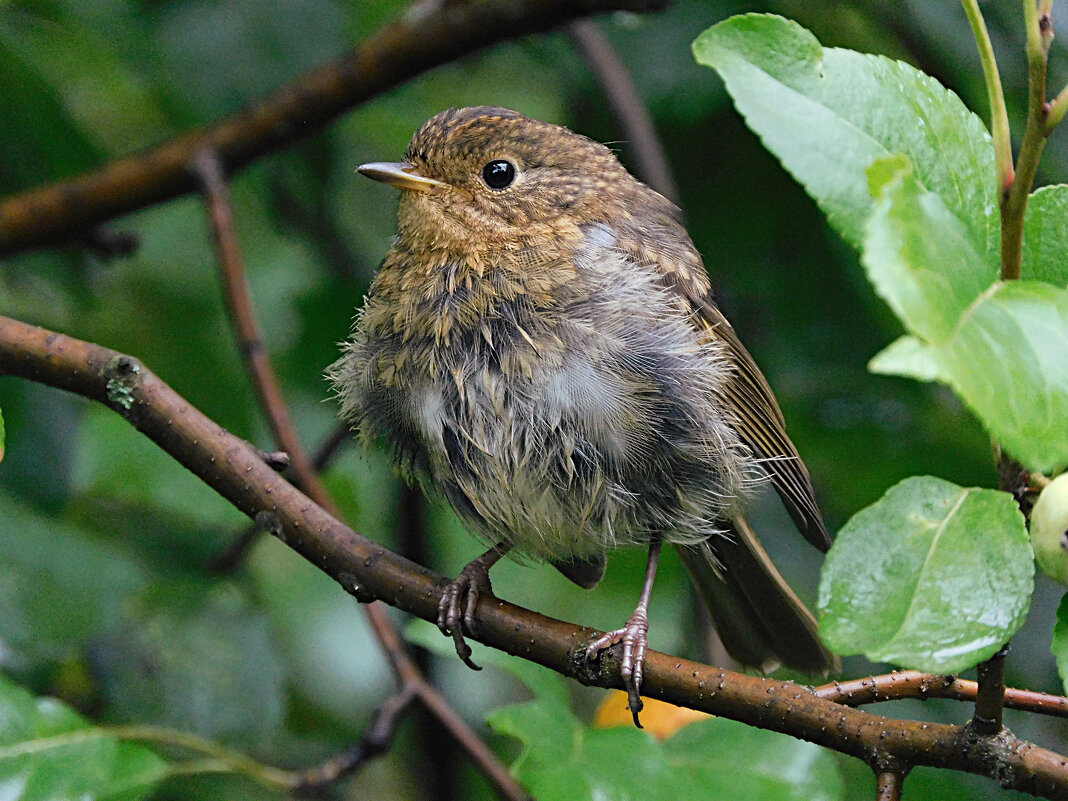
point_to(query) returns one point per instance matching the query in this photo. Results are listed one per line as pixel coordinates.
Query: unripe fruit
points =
(1049, 529)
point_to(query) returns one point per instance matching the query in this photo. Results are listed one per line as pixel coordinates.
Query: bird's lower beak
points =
(400, 174)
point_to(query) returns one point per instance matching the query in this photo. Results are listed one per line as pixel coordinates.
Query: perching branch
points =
(429, 35)
(368, 571)
(324, 453)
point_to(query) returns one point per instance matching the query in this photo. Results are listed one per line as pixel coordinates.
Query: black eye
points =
(498, 174)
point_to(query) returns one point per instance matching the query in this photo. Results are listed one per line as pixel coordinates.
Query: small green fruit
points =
(1049, 529)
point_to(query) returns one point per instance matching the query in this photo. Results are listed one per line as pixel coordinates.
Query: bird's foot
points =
(634, 636)
(456, 609)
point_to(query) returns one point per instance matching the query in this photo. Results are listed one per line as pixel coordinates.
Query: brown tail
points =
(760, 620)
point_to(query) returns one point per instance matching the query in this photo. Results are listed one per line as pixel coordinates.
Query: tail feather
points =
(760, 620)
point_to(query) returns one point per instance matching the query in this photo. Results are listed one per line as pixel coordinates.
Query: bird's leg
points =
(634, 636)
(456, 609)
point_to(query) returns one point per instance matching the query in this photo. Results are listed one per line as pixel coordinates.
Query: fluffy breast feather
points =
(564, 428)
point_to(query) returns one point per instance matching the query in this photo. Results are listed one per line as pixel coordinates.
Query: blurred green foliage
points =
(104, 541)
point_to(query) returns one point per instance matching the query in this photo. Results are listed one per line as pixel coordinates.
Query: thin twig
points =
(330, 446)
(247, 331)
(427, 36)
(632, 114)
(921, 686)
(375, 741)
(236, 472)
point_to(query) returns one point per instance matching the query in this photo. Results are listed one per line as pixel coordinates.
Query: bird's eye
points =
(498, 174)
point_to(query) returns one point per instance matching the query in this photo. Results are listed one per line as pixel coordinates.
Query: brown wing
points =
(761, 426)
(758, 417)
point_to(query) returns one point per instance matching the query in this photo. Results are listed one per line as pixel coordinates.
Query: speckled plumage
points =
(549, 359)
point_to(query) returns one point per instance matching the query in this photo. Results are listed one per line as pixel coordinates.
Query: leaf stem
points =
(1014, 201)
(220, 759)
(999, 118)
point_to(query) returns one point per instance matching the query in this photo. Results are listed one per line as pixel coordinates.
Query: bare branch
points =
(375, 742)
(427, 36)
(632, 114)
(921, 686)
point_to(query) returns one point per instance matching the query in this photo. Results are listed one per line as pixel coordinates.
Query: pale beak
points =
(400, 174)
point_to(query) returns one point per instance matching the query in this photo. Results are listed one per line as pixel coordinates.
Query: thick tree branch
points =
(426, 37)
(368, 571)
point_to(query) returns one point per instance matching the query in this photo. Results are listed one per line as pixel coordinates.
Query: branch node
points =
(123, 374)
(276, 460)
(269, 522)
(593, 672)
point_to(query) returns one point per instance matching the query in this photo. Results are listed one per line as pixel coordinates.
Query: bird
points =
(540, 348)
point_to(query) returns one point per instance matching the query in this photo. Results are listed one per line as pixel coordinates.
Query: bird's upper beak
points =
(400, 174)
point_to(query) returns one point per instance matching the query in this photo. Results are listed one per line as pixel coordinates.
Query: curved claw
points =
(456, 609)
(634, 636)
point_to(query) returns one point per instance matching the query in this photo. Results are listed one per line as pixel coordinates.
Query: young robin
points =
(541, 348)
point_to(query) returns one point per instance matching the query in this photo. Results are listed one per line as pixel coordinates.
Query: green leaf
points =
(29, 105)
(918, 255)
(3, 436)
(1045, 245)
(1002, 347)
(48, 752)
(714, 758)
(1060, 641)
(1008, 360)
(827, 114)
(910, 357)
(107, 100)
(933, 576)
